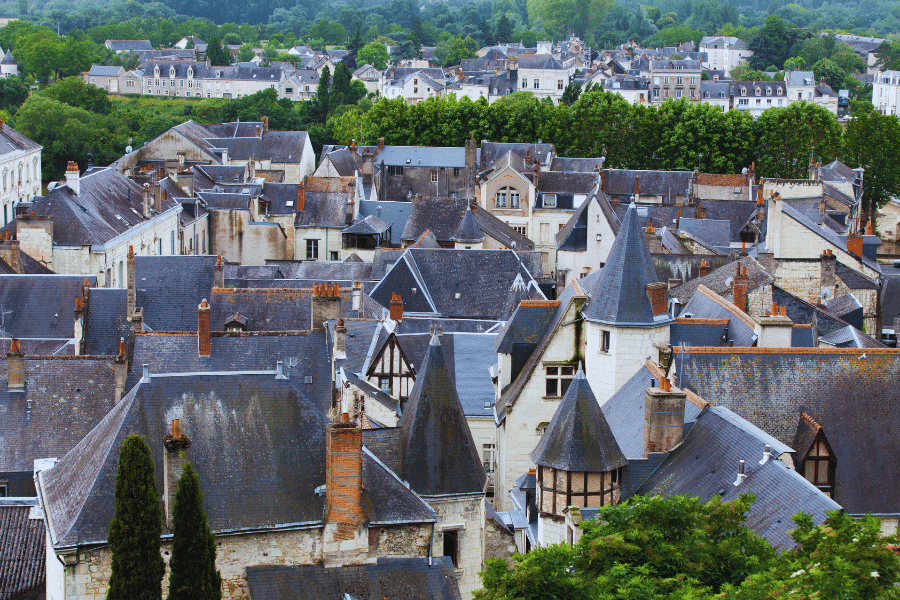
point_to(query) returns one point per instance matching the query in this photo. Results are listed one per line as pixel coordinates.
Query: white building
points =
(885, 92)
(757, 96)
(20, 170)
(724, 53)
(8, 66)
(544, 76)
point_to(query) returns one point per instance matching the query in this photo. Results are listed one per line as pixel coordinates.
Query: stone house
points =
(724, 53)
(20, 164)
(458, 223)
(584, 242)
(674, 79)
(200, 80)
(370, 76)
(544, 75)
(757, 96)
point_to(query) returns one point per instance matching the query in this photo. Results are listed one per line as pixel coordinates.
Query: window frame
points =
(312, 249)
(557, 379)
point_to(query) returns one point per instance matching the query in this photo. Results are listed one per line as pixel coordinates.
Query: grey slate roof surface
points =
(106, 321)
(441, 215)
(387, 578)
(701, 333)
(303, 355)
(712, 231)
(40, 306)
(620, 182)
(620, 295)
(852, 398)
(718, 277)
(368, 225)
(526, 326)
(13, 141)
(324, 270)
(493, 151)
(170, 288)
(22, 553)
(248, 432)
(706, 464)
(850, 337)
(423, 156)
(664, 215)
(468, 230)
(64, 398)
(578, 437)
(826, 233)
(802, 312)
(439, 454)
(395, 213)
(854, 279)
(704, 305)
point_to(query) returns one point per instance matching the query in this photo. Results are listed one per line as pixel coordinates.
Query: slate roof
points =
(801, 312)
(717, 279)
(170, 288)
(706, 465)
(526, 326)
(852, 397)
(106, 321)
(64, 397)
(620, 297)
(248, 432)
(395, 213)
(739, 214)
(539, 61)
(22, 552)
(482, 278)
(441, 215)
(387, 578)
(712, 231)
(125, 45)
(468, 230)
(843, 305)
(439, 454)
(40, 306)
(491, 152)
(850, 337)
(324, 270)
(558, 182)
(13, 141)
(578, 437)
(620, 182)
(854, 279)
(423, 156)
(706, 304)
(368, 226)
(267, 309)
(699, 332)
(576, 165)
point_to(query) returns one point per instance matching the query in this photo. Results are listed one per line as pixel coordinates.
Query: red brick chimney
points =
(219, 274)
(380, 144)
(265, 122)
(637, 188)
(343, 478)
(301, 196)
(15, 366)
(741, 288)
(657, 292)
(396, 308)
(204, 345)
(869, 229)
(855, 244)
(704, 268)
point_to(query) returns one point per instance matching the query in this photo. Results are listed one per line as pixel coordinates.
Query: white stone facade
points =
(886, 92)
(629, 348)
(20, 176)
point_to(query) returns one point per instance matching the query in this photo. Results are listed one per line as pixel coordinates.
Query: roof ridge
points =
(806, 418)
(729, 306)
(758, 350)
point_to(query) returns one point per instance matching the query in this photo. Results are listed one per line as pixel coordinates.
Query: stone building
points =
(20, 164)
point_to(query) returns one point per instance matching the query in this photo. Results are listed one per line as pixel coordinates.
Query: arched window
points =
(20, 173)
(507, 197)
(4, 179)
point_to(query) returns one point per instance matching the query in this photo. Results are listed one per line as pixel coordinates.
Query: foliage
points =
(245, 53)
(218, 55)
(785, 138)
(375, 54)
(870, 141)
(830, 72)
(12, 93)
(137, 565)
(193, 573)
(747, 73)
(75, 92)
(265, 103)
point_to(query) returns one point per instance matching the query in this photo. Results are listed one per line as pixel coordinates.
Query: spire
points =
(439, 454)
(619, 296)
(468, 230)
(579, 438)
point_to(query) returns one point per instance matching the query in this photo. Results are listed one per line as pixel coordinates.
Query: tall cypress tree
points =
(193, 565)
(137, 566)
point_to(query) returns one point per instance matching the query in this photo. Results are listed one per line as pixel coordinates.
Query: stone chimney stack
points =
(741, 288)
(658, 294)
(73, 177)
(131, 294)
(219, 274)
(751, 173)
(177, 445)
(10, 253)
(396, 307)
(15, 366)
(356, 298)
(774, 330)
(380, 144)
(340, 340)
(368, 165)
(265, 123)
(121, 370)
(637, 188)
(204, 343)
(704, 268)
(828, 263)
(148, 200)
(326, 305)
(700, 211)
(663, 417)
(345, 517)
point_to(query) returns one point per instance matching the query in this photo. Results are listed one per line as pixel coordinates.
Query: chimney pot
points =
(15, 364)
(204, 342)
(704, 268)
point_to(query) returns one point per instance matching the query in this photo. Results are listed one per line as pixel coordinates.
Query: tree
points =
(830, 72)
(245, 53)
(870, 142)
(137, 565)
(323, 93)
(75, 92)
(504, 29)
(375, 54)
(193, 573)
(787, 136)
(218, 55)
(12, 93)
(770, 43)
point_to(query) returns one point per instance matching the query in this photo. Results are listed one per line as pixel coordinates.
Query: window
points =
(156, 82)
(434, 176)
(537, 84)
(665, 81)
(384, 384)
(451, 545)
(604, 341)
(181, 83)
(768, 91)
(456, 171)
(559, 84)
(121, 278)
(334, 255)
(487, 456)
(678, 81)
(204, 241)
(288, 90)
(520, 229)
(558, 380)
(171, 242)
(3, 492)
(777, 91)
(549, 200)
(312, 249)
(545, 233)
(149, 82)
(743, 91)
(501, 200)
(678, 93)
(743, 102)
(514, 199)
(395, 170)
(656, 93)
(818, 466)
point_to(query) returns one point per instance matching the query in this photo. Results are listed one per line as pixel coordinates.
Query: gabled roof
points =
(40, 306)
(620, 297)
(539, 61)
(105, 322)
(169, 289)
(706, 304)
(711, 231)
(718, 279)
(439, 454)
(368, 226)
(578, 437)
(706, 465)
(22, 546)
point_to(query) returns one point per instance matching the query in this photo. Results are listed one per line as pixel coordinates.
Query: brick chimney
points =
(345, 517)
(637, 188)
(10, 253)
(204, 344)
(380, 144)
(340, 340)
(741, 288)
(855, 244)
(131, 294)
(774, 330)
(325, 305)
(301, 196)
(700, 211)
(177, 445)
(396, 308)
(704, 268)
(15, 366)
(869, 229)
(265, 122)
(219, 273)
(658, 294)
(751, 173)
(537, 169)
(663, 417)
(828, 263)
(677, 219)
(121, 370)
(73, 179)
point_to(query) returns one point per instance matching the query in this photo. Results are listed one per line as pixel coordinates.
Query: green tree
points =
(137, 565)
(770, 44)
(870, 141)
(787, 136)
(830, 72)
(193, 573)
(323, 96)
(848, 60)
(12, 93)
(218, 55)
(75, 92)
(504, 29)
(375, 54)
(747, 73)
(245, 53)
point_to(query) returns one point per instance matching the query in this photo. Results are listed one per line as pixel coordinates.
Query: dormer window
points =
(190, 71)
(171, 71)
(218, 74)
(756, 91)
(743, 91)
(818, 466)
(768, 91)
(156, 71)
(777, 91)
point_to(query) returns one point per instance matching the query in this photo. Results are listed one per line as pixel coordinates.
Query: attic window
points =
(308, 379)
(818, 466)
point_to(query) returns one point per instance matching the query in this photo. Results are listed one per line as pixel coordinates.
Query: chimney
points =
(356, 302)
(353, 150)
(265, 122)
(658, 294)
(137, 320)
(751, 173)
(869, 229)
(344, 513)
(203, 330)
(700, 211)
(855, 244)
(704, 268)
(177, 445)
(350, 208)
(743, 248)
(15, 366)
(740, 477)
(131, 294)
(380, 144)
(326, 305)
(741, 288)
(828, 263)
(677, 219)
(224, 157)
(368, 166)
(396, 308)
(340, 340)
(148, 200)
(157, 197)
(602, 180)
(663, 417)
(301, 196)
(774, 330)
(813, 170)
(73, 178)
(767, 455)
(471, 153)
(537, 168)
(79, 311)
(219, 273)
(10, 253)
(637, 188)
(121, 370)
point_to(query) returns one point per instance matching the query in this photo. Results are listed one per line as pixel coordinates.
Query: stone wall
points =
(499, 542)
(628, 351)
(238, 240)
(464, 516)
(551, 531)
